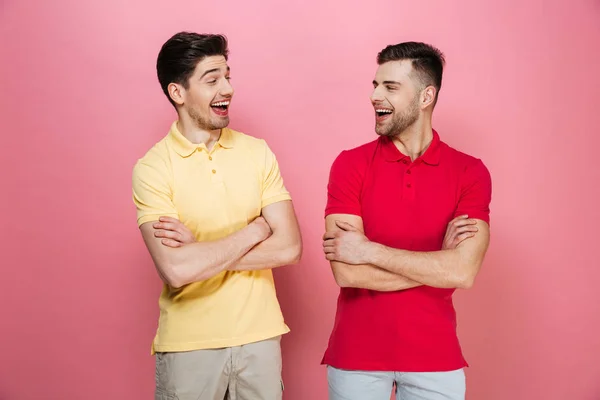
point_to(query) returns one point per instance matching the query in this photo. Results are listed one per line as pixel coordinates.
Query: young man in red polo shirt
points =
(407, 223)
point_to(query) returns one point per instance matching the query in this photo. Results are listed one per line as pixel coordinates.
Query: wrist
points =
(372, 252)
(252, 234)
(255, 234)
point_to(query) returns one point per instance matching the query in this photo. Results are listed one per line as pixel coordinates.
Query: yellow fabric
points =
(214, 193)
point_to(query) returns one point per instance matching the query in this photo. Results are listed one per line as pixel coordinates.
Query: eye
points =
(212, 81)
(391, 88)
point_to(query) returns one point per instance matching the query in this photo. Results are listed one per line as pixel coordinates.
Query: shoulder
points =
(358, 156)
(351, 165)
(470, 168)
(461, 160)
(157, 158)
(247, 142)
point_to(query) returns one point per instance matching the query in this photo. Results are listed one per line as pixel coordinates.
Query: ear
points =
(428, 97)
(177, 93)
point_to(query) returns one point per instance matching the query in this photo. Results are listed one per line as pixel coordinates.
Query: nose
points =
(226, 89)
(376, 95)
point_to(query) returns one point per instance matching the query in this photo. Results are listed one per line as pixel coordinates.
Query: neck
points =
(415, 139)
(192, 132)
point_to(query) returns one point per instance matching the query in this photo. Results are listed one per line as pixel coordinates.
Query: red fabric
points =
(404, 205)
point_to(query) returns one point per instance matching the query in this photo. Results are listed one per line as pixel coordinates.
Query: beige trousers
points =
(248, 372)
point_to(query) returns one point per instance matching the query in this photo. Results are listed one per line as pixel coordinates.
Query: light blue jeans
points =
(371, 385)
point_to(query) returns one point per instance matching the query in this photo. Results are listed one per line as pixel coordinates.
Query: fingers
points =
(466, 228)
(171, 243)
(462, 237)
(173, 230)
(168, 235)
(458, 230)
(169, 226)
(330, 235)
(169, 219)
(345, 226)
(329, 243)
(460, 224)
(464, 216)
(462, 221)
(329, 250)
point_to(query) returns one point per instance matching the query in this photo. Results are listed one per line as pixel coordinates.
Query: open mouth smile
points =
(221, 108)
(382, 113)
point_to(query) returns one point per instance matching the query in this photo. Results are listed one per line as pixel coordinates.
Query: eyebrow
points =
(210, 71)
(388, 83)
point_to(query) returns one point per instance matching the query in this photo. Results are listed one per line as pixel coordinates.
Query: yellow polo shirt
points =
(214, 193)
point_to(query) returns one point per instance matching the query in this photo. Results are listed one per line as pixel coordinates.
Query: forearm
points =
(441, 269)
(203, 260)
(274, 252)
(283, 247)
(366, 276)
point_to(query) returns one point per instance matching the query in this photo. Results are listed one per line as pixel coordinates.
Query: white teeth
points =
(381, 110)
(220, 104)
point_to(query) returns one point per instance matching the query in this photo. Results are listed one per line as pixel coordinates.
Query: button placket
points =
(215, 172)
(409, 191)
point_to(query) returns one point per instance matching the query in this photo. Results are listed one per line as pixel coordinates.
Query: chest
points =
(408, 205)
(216, 194)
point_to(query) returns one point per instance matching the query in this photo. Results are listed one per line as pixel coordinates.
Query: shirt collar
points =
(185, 148)
(431, 155)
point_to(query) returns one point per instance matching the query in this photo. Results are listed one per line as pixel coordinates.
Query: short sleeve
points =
(152, 193)
(273, 189)
(344, 187)
(476, 192)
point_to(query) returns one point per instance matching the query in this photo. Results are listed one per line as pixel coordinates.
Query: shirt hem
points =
(154, 217)
(215, 344)
(391, 367)
(275, 199)
(335, 210)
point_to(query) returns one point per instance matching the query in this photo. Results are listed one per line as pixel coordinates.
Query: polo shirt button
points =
(408, 171)
(210, 158)
(408, 185)
(214, 171)
(404, 161)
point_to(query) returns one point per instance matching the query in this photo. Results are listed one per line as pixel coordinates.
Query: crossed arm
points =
(270, 241)
(360, 263)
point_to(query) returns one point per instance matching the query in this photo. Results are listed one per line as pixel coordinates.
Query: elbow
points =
(292, 255)
(342, 278)
(466, 278)
(343, 282)
(173, 277)
(465, 282)
(175, 283)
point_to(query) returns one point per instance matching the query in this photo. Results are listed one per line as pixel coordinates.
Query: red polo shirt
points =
(404, 205)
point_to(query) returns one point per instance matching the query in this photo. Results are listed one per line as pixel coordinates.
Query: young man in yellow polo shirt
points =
(216, 218)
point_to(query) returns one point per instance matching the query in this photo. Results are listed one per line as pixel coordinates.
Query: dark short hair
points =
(180, 54)
(427, 61)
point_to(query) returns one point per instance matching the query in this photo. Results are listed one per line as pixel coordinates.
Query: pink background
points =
(80, 102)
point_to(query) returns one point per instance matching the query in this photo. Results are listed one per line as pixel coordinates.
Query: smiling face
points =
(208, 94)
(396, 97)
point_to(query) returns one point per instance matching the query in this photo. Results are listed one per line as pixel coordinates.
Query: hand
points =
(260, 227)
(349, 245)
(173, 232)
(459, 229)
